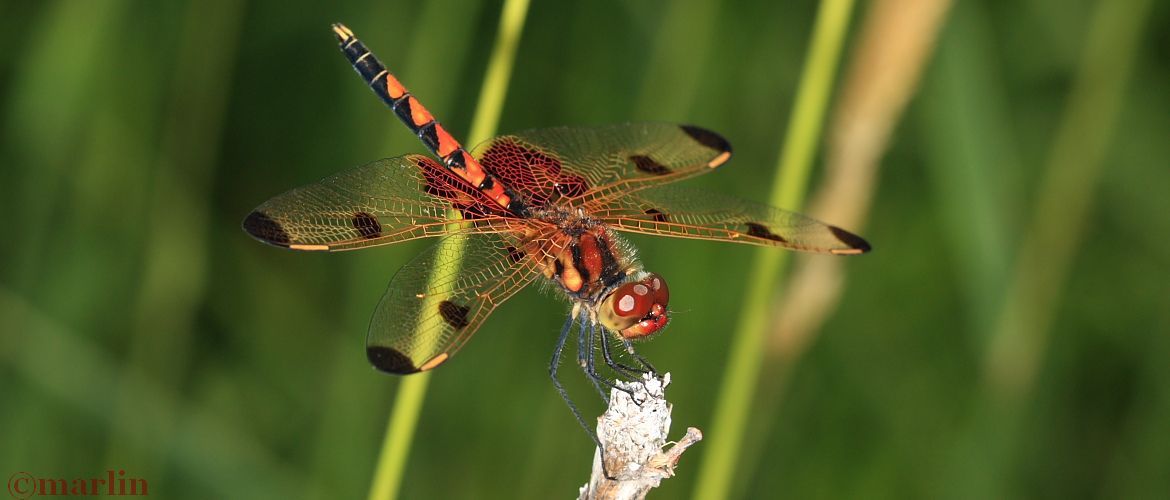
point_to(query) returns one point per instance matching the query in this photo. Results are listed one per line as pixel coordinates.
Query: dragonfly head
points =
(637, 308)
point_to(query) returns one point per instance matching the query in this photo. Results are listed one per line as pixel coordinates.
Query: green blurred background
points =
(141, 329)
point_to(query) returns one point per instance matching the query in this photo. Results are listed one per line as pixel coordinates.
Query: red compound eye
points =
(632, 300)
(636, 309)
(661, 291)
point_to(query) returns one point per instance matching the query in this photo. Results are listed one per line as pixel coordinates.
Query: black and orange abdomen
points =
(416, 117)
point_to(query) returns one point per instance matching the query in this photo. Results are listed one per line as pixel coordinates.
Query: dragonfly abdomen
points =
(420, 121)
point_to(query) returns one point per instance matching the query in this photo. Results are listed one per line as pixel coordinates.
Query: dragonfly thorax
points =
(588, 260)
(570, 221)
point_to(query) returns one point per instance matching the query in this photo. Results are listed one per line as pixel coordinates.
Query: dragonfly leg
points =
(585, 356)
(552, 373)
(646, 366)
(625, 370)
(591, 366)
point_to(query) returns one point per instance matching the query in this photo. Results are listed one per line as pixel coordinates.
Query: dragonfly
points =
(546, 205)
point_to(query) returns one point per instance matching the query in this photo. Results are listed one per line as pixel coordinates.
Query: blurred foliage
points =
(141, 330)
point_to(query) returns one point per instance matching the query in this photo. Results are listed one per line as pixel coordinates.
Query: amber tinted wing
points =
(596, 163)
(688, 213)
(437, 301)
(387, 201)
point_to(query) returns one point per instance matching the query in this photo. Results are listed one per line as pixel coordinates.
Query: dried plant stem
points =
(632, 432)
(1065, 197)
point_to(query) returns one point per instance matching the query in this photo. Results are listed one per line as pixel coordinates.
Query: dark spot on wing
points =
(649, 165)
(707, 138)
(367, 225)
(390, 360)
(848, 238)
(658, 216)
(515, 254)
(762, 231)
(454, 314)
(262, 227)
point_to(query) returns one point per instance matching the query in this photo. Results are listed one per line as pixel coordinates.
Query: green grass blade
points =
(399, 434)
(788, 189)
(499, 72)
(411, 393)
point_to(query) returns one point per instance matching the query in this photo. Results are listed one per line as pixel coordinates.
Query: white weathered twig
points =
(633, 432)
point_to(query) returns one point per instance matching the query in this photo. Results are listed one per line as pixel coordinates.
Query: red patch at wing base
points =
(442, 183)
(532, 172)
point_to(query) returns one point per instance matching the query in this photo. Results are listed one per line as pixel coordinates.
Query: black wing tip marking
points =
(264, 228)
(390, 360)
(852, 240)
(707, 138)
